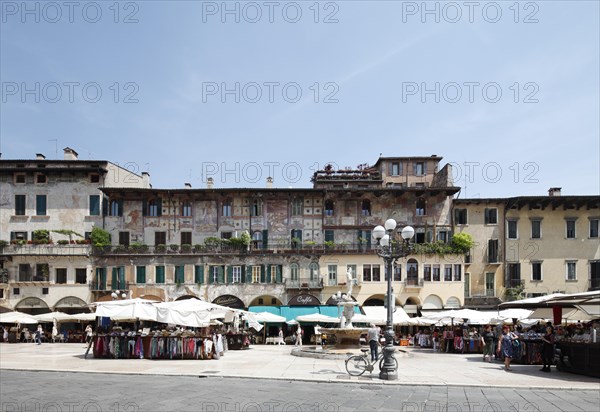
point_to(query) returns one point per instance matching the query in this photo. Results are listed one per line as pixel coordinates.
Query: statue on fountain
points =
(347, 302)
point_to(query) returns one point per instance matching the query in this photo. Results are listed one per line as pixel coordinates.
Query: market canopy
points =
(317, 318)
(268, 317)
(379, 315)
(531, 303)
(17, 317)
(126, 309)
(53, 316)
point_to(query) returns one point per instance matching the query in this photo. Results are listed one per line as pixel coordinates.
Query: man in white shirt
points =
(373, 338)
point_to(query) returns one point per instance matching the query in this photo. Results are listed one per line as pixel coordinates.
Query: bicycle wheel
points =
(383, 359)
(356, 365)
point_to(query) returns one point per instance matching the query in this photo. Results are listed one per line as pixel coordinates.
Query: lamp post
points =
(391, 250)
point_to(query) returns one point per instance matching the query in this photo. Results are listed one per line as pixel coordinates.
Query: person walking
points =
(298, 336)
(5, 334)
(505, 346)
(373, 338)
(488, 338)
(38, 335)
(548, 349)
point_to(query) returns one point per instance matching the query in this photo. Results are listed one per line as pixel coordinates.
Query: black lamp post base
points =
(390, 375)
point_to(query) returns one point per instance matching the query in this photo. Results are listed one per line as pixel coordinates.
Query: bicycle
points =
(356, 365)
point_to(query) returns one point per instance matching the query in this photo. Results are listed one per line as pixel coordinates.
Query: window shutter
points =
(122, 277)
(279, 276)
(114, 280)
(159, 206)
(145, 208)
(415, 168)
(105, 206)
(243, 274)
(120, 211)
(268, 274)
(199, 274)
(221, 274)
(229, 274)
(262, 273)
(400, 168)
(265, 239)
(424, 168)
(390, 169)
(248, 274)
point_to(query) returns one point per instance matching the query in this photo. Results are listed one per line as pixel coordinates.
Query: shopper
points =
(88, 334)
(548, 349)
(505, 346)
(38, 335)
(488, 338)
(299, 336)
(373, 338)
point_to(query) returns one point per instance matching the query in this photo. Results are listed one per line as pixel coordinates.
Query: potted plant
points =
(160, 248)
(173, 248)
(186, 248)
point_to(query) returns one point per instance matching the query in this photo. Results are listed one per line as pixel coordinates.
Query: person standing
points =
(488, 342)
(373, 338)
(299, 336)
(38, 335)
(5, 334)
(505, 346)
(548, 349)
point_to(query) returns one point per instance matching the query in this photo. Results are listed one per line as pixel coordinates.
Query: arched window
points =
(366, 208)
(314, 271)
(421, 207)
(294, 272)
(257, 239)
(226, 208)
(186, 208)
(412, 272)
(256, 208)
(329, 208)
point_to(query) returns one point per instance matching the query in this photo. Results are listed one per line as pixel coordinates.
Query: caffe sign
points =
(229, 301)
(304, 300)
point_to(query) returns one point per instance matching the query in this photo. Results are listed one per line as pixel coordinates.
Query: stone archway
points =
(32, 306)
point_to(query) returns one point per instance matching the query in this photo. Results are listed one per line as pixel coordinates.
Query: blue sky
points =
(369, 74)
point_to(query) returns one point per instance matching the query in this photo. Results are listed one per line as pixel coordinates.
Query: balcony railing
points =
(304, 284)
(415, 283)
(102, 286)
(45, 250)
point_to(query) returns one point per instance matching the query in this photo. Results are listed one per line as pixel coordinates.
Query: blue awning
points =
(292, 312)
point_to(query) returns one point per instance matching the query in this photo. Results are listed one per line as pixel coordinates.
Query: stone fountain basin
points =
(345, 338)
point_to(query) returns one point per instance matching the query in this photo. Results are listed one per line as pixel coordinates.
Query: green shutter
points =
(199, 274)
(243, 274)
(211, 270)
(140, 274)
(262, 273)
(101, 278)
(114, 279)
(180, 274)
(268, 274)
(40, 205)
(160, 274)
(221, 275)
(229, 274)
(122, 284)
(265, 239)
(145, 208)
(279, 274)
(248, 274)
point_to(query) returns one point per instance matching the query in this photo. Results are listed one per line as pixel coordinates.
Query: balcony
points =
(46, 250)
(96, 286)
(413, 283)
(304, 284)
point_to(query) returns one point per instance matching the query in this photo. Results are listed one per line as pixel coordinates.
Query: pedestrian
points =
(280, 339)
(299, 336)
(505, 346)
(88, 334)
(373, 338)
(488, 337)
(5, 334)
(548, 349)
(38, 335)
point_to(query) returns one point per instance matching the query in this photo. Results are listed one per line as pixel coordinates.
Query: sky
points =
(507, 92)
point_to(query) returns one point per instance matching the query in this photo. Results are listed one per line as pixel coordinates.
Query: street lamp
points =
(390, 250)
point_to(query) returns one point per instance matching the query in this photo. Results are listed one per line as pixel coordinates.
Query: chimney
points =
(554, 191)
(39, 156)
(188, 185)
(269, 182)
(146, 179)
(70, 154)
(210, 183)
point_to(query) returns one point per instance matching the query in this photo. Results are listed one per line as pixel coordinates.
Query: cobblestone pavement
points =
(60, 391)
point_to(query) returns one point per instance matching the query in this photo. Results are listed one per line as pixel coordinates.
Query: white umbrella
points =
(84, 317)
(53, 316)
(291, 322)
(317, 318)
(268, 317)
(17, 317)
(127, 309)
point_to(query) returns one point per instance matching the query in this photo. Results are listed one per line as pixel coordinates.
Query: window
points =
(257, 239)
(275, 274)
(511, 231)
(594, 228)
(395, 169)
(16, 291)
(179, 274)
(199, 274)
(237, 274)
(153, 208)
(186, 238)
(493, 251)
(94, 205)
(41, 178)
(420, 169)
(427, 273)
(256, 274)
(460, 216)
(329, 235)
(420, 207)
(81, 276)
(160, 238)
(366, 208)
(536, 271)
(352, 269)
(514, 274)
(571, 270)
(160, 274)
(19, 205)
(490, 284)
(19, 178)
(457, 273)
(447, 273)
(115, 207)
(294, 270)
(491, 216)
(1, 293)
(397, 273)
(536, 228)
(296, 238)
(20, 237)
(442, 236)
(436, 273)
(40, 205)
(186, 208)
(94, 178)
(42, 272)
(226, 235)
(570, 228)
(256, 208)
(124, 238)
(313, 271)
(594, 274)
(140, 274)
(226, 208)
(371, 273)
(329, 208)
(332, 274)
(61, 276)
(297, 207)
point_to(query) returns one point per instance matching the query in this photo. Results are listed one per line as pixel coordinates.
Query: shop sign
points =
(304, 300)
(229, 301)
